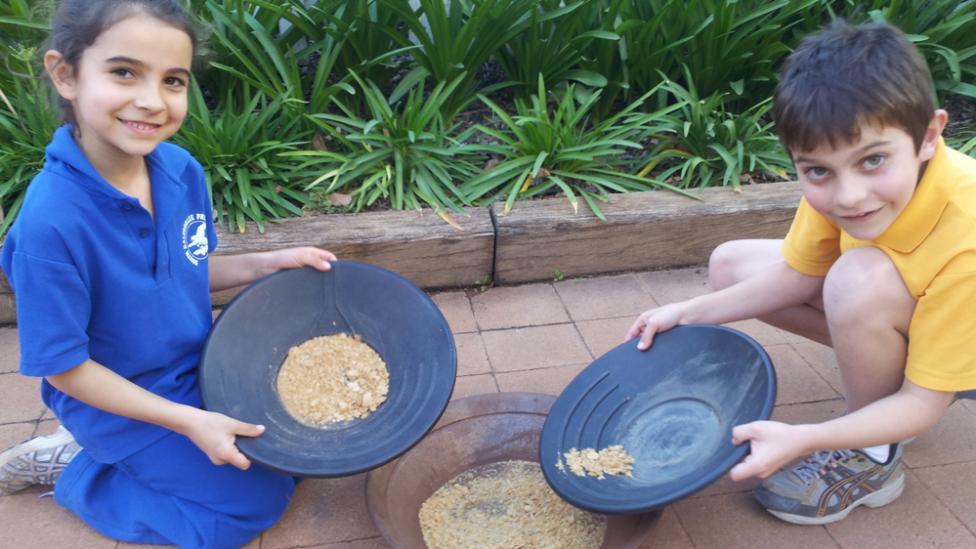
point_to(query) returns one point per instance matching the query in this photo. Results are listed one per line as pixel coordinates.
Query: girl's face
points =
(129, 90)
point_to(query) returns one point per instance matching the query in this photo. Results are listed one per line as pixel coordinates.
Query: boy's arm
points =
(98, 386)
(777, 287)
(907, 413)
(229, 271)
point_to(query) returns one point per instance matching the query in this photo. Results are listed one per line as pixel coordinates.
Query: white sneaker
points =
(37, 461)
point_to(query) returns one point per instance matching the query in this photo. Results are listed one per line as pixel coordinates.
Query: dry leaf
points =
(340, 199)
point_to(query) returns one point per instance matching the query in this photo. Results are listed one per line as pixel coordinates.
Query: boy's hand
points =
(773, 446)
(215, 435)
(296, 258)
(653, 321)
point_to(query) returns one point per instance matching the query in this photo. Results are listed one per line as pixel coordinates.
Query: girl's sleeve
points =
(53, 309)
(207, 207)
(813, 243)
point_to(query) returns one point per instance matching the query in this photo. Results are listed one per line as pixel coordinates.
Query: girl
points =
(110, 264)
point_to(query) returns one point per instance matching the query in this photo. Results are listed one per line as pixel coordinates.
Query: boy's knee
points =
(862, 279)
(722, 265)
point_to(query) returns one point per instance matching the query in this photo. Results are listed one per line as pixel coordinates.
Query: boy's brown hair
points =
(846, 76)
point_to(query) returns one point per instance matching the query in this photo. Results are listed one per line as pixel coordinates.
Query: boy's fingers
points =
(635, 329)
(741, 471)
(647, 337)
(743, 433)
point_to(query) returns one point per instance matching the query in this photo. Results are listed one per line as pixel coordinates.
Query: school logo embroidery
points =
(195, 244)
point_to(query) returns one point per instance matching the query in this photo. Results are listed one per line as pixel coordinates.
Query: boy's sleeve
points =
(813, 243)
(53, 309)
(942, 335)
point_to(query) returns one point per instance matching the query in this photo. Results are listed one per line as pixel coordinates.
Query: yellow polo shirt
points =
(933, 246)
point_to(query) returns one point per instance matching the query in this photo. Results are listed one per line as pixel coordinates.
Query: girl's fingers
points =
(248, 429)
(237, 459)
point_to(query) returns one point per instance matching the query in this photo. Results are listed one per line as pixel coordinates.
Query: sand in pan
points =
(332, 378)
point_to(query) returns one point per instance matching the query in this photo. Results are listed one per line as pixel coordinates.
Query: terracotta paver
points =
(474, 385)
(550, 381)
(602, 297)
(916, 519)
(734, 521)
(471, 356)
(668, 533)
(796, 381)
(10, 357)
(19, 398)
(537, 337)
(514, 306)
(457, 310)
(604, 334)
(535, 347)
(675, 285)
(953, 486)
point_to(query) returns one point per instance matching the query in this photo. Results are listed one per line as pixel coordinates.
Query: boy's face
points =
(863, 186)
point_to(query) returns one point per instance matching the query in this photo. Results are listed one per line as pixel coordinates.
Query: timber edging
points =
(537, 240)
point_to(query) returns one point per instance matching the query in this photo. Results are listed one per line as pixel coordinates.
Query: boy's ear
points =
(932, 134)
(61, 74)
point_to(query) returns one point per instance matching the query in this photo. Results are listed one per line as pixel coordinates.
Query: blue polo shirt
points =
(95, 276)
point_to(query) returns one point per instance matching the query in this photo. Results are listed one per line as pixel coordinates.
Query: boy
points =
(880, 264)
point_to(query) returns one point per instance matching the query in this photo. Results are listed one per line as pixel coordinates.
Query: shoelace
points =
(816, 465)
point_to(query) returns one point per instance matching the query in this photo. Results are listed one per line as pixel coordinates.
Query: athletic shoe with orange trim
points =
(825, 486)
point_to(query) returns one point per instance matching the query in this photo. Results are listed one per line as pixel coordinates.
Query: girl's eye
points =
(175, 81)
(874, 161)
(122, 73)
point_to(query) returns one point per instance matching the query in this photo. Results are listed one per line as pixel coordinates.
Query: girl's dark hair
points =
(846, 76)
(78, 23)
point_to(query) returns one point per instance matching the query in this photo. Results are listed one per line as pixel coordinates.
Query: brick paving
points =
(536, 338)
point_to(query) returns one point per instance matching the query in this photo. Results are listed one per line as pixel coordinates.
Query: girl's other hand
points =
(304, 256)
(215, 435)
(653, 321)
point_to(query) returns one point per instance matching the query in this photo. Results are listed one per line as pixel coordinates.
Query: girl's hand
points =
(653, 321)
(773, 446)
(215, 435)
(296, 258)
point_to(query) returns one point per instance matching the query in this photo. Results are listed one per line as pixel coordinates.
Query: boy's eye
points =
(816, 172)
(874, 161)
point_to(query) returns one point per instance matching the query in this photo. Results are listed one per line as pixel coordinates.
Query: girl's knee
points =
(259, 505)
(263, 497)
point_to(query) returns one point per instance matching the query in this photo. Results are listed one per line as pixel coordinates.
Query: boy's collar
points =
(924, 209)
